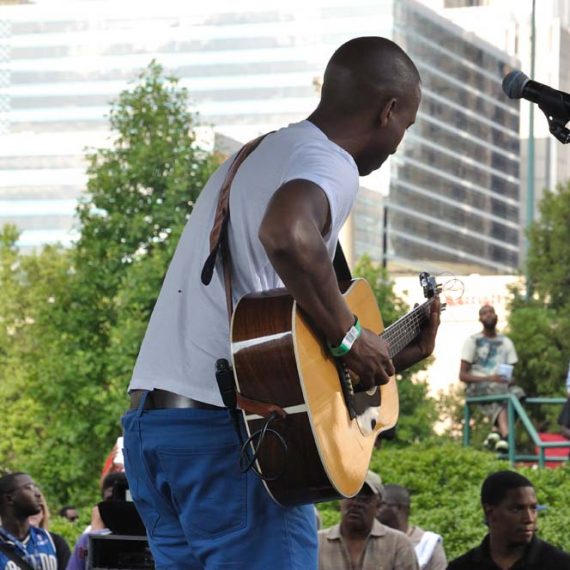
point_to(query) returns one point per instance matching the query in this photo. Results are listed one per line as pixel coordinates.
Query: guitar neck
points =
(399, 334)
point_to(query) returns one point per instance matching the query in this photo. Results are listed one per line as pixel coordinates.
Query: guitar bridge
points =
(346, 387)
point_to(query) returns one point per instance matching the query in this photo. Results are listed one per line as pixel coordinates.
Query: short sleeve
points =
(468, 351)
(511, 356)
(330, 168)
(406, 558)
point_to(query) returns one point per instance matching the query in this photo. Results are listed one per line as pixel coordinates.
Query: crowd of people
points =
(374, 531)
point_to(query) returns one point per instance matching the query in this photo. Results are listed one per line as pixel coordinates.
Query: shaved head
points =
(370, 97)
(366, 69)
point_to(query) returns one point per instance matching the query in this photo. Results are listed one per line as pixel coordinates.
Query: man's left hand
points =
(424, 344)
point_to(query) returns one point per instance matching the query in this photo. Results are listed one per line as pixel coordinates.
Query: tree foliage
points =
(72, 320)
(540, 325)
(417, 410)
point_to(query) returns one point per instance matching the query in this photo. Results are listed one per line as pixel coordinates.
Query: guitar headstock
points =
(429, 285)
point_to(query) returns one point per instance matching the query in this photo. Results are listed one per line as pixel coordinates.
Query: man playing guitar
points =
(288, 202)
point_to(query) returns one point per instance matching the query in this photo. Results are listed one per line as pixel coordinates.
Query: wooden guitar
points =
(321, 450)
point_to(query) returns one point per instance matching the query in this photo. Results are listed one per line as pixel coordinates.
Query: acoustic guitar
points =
(321, 449)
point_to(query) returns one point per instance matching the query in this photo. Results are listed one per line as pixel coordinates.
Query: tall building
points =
(507, 24)
(454, 185)
(450, 195)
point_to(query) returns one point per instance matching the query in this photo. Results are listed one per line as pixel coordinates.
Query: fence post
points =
(511, 425)
(466, 425)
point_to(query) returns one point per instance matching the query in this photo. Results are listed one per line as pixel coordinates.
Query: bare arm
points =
(466, 376)
(291, 232)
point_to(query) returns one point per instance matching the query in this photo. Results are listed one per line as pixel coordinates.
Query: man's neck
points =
(338, 131)
(351, 534)
(490, 333)
(16, 527)
(505, 555)
(355, 544)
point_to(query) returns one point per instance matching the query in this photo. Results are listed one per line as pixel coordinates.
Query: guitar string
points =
(402, 325)
(404, 334)
(405, 329)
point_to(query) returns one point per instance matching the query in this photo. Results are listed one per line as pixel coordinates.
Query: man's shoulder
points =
(395, 533)
(465, 561)
(556, 557)
(504, 338)
(471, 339)
(330, 533)
(40, 541)
(393, 536)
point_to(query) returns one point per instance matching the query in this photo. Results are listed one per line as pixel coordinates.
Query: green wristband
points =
(347, 342)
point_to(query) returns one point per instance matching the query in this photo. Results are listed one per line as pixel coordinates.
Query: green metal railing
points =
(514, 411)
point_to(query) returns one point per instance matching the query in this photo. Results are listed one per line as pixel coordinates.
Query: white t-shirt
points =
(485, 354)
(189, 328)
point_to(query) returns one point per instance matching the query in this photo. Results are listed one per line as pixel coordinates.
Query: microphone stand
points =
(557, 127)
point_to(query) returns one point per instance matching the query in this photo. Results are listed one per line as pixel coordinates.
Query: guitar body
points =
(329, 431)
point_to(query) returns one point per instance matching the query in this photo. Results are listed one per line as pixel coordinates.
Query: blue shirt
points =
(37, 549)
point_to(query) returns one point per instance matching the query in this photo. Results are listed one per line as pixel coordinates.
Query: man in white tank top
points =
(288, 202)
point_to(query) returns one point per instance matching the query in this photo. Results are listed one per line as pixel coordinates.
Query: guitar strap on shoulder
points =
(18, 560)
(218, 234)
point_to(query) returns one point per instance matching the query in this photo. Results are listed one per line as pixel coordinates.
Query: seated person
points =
(487, 361)
(394, 511)
(510, 509)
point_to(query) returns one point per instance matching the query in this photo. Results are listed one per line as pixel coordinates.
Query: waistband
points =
(163, 399)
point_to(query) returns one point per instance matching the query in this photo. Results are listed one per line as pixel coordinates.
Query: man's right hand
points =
(496, 378)
(369, 360)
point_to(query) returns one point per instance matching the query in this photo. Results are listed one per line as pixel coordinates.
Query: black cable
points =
(247, 462)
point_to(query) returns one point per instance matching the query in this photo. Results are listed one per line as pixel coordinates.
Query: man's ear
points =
(487, 513)
(386, 111)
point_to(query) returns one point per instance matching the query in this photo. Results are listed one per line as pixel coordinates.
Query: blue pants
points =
(199, 510)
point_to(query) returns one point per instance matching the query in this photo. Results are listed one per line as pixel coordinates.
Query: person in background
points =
(487, 361)
(70, 513)
(114, 462)
(360, 541)
(78, 560)
(510, 508)
(42, 520)
(394, 511)
(20, 542)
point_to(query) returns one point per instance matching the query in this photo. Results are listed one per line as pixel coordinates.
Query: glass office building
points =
(454, 189)
(451, 192)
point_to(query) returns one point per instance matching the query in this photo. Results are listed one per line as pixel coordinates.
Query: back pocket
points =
(208, 487)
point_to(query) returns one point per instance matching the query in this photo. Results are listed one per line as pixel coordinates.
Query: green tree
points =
(540, 325)
(73, 320)
(417, 410)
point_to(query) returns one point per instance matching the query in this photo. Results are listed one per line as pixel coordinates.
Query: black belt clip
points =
(226, 383)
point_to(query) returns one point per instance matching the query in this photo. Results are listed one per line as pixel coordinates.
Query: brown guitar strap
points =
(219, 242)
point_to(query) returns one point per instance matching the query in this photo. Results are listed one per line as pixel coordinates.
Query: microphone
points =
(554, 103)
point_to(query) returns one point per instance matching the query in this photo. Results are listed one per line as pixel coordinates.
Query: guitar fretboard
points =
(399, 334)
